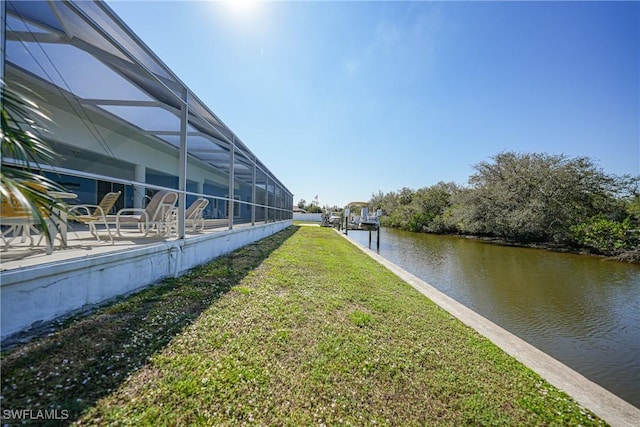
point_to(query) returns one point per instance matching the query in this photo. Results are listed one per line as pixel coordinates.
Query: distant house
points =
(298, 210)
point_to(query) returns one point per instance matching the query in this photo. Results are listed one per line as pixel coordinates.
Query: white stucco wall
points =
(316, 217)
(40, 294)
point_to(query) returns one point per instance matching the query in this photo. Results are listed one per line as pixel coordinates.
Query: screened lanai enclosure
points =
(122, 121)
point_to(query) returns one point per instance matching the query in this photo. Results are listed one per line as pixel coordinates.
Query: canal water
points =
(582, 310)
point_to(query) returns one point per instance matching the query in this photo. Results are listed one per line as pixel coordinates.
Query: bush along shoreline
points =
(531, 199)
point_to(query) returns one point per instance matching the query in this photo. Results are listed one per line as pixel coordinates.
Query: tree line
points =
(309, 207)
(527, 198)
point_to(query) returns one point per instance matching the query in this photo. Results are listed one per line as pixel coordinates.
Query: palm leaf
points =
(23, 151)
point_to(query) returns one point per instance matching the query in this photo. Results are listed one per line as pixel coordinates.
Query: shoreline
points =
(601, 401)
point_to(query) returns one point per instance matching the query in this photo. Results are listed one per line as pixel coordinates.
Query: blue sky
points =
(343, 99)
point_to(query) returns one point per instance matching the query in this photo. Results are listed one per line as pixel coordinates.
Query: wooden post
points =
(346, 221)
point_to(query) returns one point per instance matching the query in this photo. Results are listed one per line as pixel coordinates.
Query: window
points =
(236, 207)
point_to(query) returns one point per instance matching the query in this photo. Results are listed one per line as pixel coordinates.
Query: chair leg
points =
(75, 233)
(26, 233)
(22, 231)
(51, 231)
(94, 231)
(4, 235)
(13, 229)
(118, 232)
(106, 224)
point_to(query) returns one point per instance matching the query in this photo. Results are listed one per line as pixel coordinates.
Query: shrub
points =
(603, 235)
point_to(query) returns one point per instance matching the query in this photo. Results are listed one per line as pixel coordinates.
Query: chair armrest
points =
(129, 211)
(86, 208)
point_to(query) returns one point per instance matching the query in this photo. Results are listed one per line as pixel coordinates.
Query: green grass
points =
(296, 222)
(299, 329)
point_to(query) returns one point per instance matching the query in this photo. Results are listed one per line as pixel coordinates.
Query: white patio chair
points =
(193, 215)
(157, 216)
(95, 214)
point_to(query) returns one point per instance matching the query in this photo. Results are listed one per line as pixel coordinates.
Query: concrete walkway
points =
(600, 401)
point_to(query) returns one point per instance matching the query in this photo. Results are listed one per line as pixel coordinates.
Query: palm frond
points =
(23, 150)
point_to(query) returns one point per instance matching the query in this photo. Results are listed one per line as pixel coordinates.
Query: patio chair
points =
(157, 216)
(19, 222)
(193, 215)
(96, 214)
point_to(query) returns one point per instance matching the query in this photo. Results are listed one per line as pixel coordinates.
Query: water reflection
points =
(584, 311)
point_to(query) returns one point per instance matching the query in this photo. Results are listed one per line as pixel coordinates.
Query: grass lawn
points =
(306, 223)
(299, 329)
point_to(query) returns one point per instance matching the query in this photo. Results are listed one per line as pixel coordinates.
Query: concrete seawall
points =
(600, 401)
